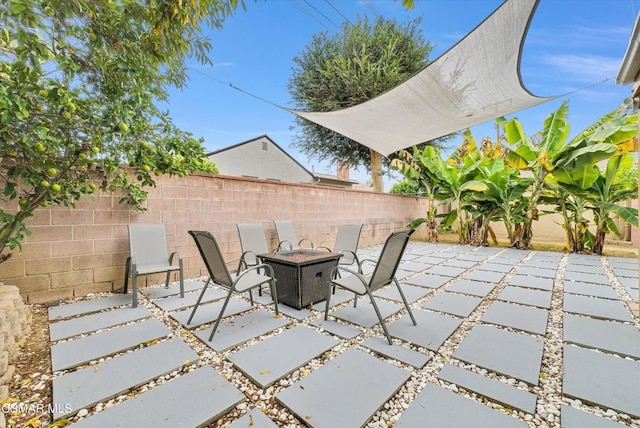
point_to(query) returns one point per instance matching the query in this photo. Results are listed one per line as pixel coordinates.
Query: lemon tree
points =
(80, 82)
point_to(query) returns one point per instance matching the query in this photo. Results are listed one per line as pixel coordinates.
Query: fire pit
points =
(302, 275)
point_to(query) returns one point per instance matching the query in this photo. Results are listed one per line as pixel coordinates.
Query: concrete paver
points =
(76, 390)
(452, 303)
(82, 350)
(94, 322)
(605, 380)
(490, 388)
(273, 358)
(596, 318)
(345, 392)
(437, 407)
(525, 318)
(525, 296)
(512, 354)
(190, 400)
(623, 339)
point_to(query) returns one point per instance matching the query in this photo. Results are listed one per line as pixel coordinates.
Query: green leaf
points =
(628, 214)
(17, 8)
(474, 185)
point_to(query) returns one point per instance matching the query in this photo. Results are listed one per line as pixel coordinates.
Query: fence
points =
(73, 252)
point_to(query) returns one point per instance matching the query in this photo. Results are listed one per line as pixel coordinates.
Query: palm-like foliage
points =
(552, 153)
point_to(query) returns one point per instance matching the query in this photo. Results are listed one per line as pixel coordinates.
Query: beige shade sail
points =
(475, 81)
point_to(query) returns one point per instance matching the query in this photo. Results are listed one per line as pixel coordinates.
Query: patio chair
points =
(253, 243)
(287, 238)
(346, 244)
(219, 274)
(148, 254)
(383, 274)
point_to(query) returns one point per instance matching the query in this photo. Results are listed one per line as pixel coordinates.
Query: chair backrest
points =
(212, 257)
(148, 244)
(347, 240)
(389, 259)
(252, 239)
(286, 232)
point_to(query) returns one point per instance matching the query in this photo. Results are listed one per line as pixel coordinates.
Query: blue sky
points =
(571, 45)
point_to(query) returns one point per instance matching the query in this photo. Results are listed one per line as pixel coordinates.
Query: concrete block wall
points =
(15, 324)
(73, 252)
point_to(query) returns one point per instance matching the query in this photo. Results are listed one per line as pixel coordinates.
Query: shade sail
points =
(475, 81)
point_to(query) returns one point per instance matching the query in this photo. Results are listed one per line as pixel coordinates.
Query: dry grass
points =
(611, 249)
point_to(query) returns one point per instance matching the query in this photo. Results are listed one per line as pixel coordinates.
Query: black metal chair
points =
(219, 274)
(383, 274)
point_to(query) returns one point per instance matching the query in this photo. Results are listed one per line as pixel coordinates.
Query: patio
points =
(504, 338)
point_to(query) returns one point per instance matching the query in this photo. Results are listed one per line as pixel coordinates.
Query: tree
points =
(346, 69)
(79, 80)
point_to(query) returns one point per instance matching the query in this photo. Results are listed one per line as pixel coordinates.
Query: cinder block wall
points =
(73, 252)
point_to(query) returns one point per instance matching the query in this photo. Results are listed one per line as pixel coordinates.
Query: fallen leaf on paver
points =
(279, 316)
(9, 400)
(186, 362)
(265, 410)
(250, 420)
(33, 422)
(301, 386)
(304, 372)
(151, 342)
(265, 372)
(96, 368)
(310, 306)
(25, 382)
(185, 333)
(60, 423)
(307, 417)
(543, 376)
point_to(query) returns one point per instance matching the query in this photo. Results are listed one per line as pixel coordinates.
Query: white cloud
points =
(581, 68)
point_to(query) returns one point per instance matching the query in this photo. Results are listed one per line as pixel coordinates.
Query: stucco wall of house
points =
(260, 159)
(73, 252)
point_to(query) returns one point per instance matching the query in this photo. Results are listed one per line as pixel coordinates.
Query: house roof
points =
(326, 178)
(630, 66)
(259, 138)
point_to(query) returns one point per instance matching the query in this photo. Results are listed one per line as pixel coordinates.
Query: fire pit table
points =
(301, 275)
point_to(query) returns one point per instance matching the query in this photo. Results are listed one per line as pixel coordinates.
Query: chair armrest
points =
(323, 248)
(355, 257)
(256, 267)
(351, 271)
(306, 239)
(280, 247)
(176, 253)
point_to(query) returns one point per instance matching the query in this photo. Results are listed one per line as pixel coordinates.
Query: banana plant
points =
(550, 151)
(590, 188)
(445, 181)
(422, 168)
(503, 199)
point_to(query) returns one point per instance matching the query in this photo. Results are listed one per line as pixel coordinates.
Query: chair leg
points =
(181, 279)
(127, 271)
(406, 304)
(355, 300)
(134, 285)
(326, 307)
(166, 282)
(251, 297)
(193, 311)
(274, 294)
(384, 326)
(224, 306)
